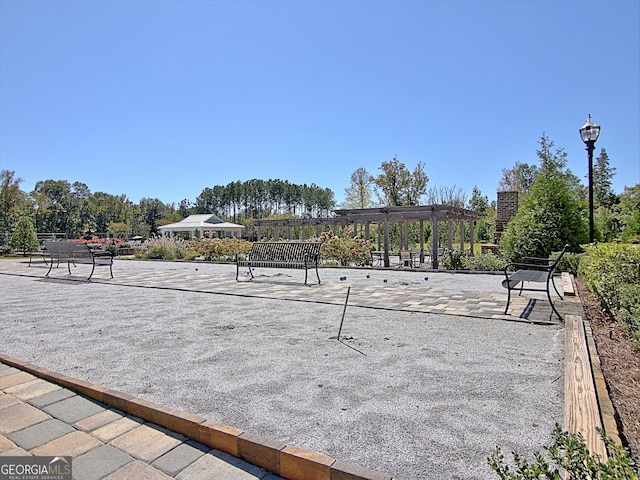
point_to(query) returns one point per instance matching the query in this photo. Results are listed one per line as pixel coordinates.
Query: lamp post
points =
(589, 133)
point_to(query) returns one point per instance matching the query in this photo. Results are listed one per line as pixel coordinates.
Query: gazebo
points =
(199, 224)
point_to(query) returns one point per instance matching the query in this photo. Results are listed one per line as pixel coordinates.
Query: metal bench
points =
(298, 255)
(74, 253)
(534, 270)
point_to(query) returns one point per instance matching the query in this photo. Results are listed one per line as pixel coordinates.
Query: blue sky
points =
(161, 99)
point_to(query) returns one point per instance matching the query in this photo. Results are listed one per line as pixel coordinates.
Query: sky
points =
(162, 99)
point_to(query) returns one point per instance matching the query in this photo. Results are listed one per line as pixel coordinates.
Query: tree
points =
(441, 195)
(603, 174)
(629, 213)
(478, 202)
(13, 201)
(397, 186)
(24, 236)
(359, 194)
(519, 178)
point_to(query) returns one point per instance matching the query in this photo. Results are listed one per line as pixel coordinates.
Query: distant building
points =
(197, 225)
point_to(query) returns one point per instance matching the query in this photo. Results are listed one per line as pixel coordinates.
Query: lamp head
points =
(590, 131)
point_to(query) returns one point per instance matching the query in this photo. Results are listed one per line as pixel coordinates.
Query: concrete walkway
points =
(453, 370)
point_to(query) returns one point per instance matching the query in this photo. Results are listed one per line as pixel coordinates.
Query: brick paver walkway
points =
(530, 307)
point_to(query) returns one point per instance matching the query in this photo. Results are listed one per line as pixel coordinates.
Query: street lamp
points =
(589, 133)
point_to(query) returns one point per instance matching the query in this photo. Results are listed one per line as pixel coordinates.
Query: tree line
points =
(58, 206)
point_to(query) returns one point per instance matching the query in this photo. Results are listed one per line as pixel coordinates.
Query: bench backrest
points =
(63, 250)
(556, 262)
(285, 251)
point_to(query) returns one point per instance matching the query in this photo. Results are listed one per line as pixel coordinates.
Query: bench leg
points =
(93, 267)
(50, 267)
(317, 274)
(506, 309)
(553, 307)
(556, 289)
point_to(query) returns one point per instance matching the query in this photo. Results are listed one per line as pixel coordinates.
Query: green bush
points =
(455, 259)
(568, 457)
(570, 262)
(611, 272)
(630, 310)
(484, 262)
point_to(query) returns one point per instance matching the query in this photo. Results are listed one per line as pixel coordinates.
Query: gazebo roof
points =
(201, 222)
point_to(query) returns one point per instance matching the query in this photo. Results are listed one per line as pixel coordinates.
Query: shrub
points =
(219, 249)
(570, 454)
(346, 248)
(455, 259)
(484, 262)
(611, 272)
(570, 262)
(167, 248)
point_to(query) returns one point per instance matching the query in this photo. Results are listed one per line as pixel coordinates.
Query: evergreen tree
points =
(603, 174)
(551, 216)
(24, 236)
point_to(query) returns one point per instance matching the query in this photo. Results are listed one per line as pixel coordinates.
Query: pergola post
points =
(434, 256)
(450, 234)
(421, 237)
(472, 224)
(406, 234)
(367, 224)
(386, 241)
(461, 223)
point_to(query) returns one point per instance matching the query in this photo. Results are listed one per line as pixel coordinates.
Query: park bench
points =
(298, 255)
(74, 253)
(533, 270)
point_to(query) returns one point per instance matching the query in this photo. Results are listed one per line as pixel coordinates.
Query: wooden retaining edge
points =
(581, 409)
(567, 284)
(288, 462)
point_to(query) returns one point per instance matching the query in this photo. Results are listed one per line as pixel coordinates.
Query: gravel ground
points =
(414, 395)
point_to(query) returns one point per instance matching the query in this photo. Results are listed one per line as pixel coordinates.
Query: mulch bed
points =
(620, 360)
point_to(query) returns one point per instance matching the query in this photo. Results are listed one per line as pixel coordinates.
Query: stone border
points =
(288, 462)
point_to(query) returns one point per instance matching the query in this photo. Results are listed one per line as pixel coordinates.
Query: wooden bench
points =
(534, 270)
(74, 253)
(299, 255)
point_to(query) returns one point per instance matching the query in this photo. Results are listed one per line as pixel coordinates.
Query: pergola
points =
(202, 224)
(383, 216)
